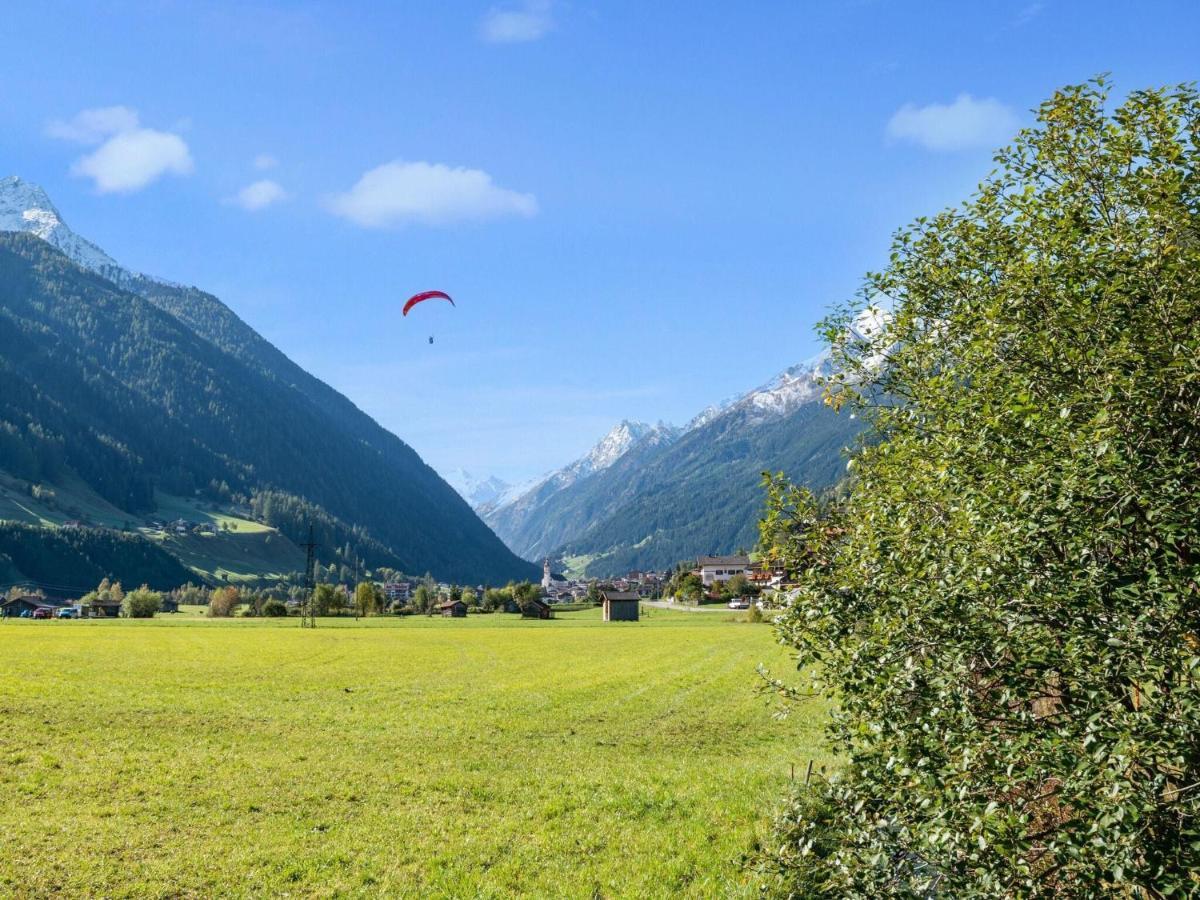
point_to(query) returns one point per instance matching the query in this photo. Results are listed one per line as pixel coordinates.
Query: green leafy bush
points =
(142, 603)
(274, 608)
(1006, 602)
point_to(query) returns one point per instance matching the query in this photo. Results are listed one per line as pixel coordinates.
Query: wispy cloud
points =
(1028, 13)
(91, 126)
(427, 193)
(967, 122)
(517, 23)
(129, 157)
(265, 161)
(258, 195)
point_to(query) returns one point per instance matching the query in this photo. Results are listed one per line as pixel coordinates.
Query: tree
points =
(324, 598)
(737, 586)
(105, 592)
(468, 597)
(524, 593)
(189, 595)
(222, 601)
(1006, 601)
(340, 601)
(142, 603)
(495, 598)
(593, 592)
(423, 598)
(689, 587)
(366, 598)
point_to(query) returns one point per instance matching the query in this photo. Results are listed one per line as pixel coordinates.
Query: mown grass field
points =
(417, 757)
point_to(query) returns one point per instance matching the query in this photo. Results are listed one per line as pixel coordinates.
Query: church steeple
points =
(546, 574)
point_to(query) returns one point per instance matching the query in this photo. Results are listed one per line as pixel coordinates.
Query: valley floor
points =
(416, 757)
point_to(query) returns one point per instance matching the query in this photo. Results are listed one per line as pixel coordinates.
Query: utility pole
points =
(308, 611)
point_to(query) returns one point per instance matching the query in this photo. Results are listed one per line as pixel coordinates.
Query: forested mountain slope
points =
(153, 385)
(703, 493)
(565, 503)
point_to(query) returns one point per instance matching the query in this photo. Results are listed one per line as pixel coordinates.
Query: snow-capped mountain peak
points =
(780, 396)
(477, 490)
(623, 437)
(790, 389)
(24, 206)
(614, 445)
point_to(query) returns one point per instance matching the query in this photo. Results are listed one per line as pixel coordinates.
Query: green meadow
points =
(406, 757)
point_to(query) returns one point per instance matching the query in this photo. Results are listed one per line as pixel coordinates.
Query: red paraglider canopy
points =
(423, 296)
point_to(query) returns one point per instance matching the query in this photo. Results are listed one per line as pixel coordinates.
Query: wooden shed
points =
(537, 609)
(454, 609)
(620, 606)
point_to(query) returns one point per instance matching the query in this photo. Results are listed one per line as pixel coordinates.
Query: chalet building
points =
(620, 606)
(764, 575)
(714, 569)
(453, 609)
(397, 591)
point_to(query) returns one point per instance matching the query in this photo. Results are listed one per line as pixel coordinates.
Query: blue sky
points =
(641, 208)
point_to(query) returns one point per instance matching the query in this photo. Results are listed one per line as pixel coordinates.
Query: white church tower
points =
(546, 581)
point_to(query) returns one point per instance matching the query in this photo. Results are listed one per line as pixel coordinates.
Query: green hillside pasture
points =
(170, 507)
(71, 499)
(235, 557)
(248, 552)
(242, 552)
(417, 757)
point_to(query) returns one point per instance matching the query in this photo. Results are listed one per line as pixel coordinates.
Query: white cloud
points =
(265, 161)
(966, 122)
(91, 126)
(526, 21)
(128, 157)
(428, 193)
(133, 159)
(258, 195)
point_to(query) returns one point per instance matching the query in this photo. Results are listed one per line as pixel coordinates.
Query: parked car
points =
(43, 613)
(68, 612)
(739, 603)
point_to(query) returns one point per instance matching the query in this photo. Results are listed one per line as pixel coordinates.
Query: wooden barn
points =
(454, 609)
(537, 609)
(620, 606)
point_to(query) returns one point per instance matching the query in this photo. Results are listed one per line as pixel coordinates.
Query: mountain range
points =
(478, 490)
(648, 496)
(138, 389)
